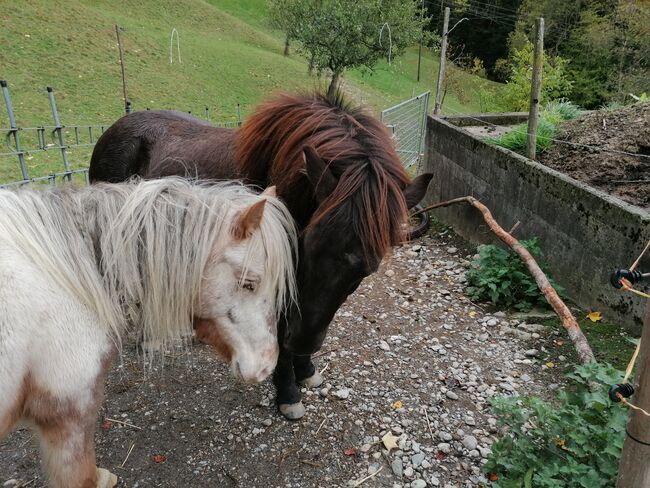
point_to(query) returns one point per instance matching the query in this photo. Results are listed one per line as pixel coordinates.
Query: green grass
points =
(550, 118)
(609, 342)
(230, 56)
(399, 81)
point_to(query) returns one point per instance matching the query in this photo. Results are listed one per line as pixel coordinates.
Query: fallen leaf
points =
(561, 443)
(397, 404)
(550, 364)
(159, 458)
(440, 455)
(107, 424)
(390, 441)
(493, 476)
(351, 451)
(472, 314)
(595, 316)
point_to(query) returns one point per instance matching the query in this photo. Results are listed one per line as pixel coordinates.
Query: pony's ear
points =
(415, 192)
(248, 221)
(320, 176)
(270, 192)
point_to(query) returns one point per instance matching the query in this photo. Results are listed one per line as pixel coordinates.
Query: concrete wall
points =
(585, 233)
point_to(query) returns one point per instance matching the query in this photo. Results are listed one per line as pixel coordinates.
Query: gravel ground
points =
(408, 355)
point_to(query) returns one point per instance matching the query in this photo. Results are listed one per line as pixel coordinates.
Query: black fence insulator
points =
(632, 276)
(626, 390)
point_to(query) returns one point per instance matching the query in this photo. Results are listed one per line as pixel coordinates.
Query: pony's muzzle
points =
(255, 368)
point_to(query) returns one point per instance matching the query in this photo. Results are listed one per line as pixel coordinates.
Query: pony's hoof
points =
(314, 381)
(292, 411)
(105, 479)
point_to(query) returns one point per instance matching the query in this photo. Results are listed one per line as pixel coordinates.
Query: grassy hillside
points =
(230, 56)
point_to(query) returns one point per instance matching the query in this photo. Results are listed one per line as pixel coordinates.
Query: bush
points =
(500, 276)
(573, 442)
(516, 95)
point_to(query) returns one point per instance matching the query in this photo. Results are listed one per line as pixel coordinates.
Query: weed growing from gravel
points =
(500, 276)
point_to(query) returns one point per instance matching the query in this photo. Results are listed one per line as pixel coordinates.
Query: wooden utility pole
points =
(127, 104)
(421, 39)
(443, 59)
(536, 88)
(634, 468)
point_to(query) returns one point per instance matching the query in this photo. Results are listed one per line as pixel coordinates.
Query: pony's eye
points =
(249, 285)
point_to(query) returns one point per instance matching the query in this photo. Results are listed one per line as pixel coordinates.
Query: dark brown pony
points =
(334, 166)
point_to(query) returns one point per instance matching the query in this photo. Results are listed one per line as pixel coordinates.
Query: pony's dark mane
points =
(355, 145)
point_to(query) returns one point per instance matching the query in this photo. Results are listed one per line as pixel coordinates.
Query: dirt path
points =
(408, 340)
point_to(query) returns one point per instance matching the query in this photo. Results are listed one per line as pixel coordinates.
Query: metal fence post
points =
(13, 129)
(58, 131)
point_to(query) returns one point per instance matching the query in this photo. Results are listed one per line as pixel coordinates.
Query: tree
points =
(606, 43)
(336, 35)
(555, 84)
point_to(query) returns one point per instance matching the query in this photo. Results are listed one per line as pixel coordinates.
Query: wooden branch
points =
(569, 322)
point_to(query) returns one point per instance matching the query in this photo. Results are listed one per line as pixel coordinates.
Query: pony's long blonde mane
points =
(135, 253)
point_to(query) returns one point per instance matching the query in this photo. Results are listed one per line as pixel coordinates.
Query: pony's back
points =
(157, 143)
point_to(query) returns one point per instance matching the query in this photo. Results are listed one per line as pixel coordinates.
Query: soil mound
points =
(626, 176)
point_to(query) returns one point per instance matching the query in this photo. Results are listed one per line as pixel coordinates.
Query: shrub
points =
(573, 442)
(500, 276)
(516, 95)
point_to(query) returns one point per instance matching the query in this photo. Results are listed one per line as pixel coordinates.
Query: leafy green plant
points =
(500, 276)
(573, 442)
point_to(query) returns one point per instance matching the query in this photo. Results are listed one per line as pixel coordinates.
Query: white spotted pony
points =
(81, 267)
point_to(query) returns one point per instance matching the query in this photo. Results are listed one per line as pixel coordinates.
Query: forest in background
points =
(597, 51)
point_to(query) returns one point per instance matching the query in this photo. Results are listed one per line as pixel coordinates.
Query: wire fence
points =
(407, 122)
(55, 152)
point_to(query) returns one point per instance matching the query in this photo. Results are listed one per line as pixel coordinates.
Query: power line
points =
(473, 5)
(498, 7)
(497, 15)
(483, 15)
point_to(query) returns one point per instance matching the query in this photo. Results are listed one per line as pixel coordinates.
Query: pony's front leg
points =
(288, 396)
(68, 450)
(305, 372)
